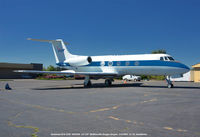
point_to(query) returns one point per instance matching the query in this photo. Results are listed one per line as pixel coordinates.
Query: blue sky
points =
(99, 27)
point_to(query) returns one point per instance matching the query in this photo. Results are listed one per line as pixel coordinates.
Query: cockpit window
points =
(166, 58)
(170, 58)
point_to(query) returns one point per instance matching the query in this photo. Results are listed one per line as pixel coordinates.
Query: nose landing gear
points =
(169, 82)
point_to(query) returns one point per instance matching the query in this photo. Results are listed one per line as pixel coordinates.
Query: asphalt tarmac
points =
(45, 108)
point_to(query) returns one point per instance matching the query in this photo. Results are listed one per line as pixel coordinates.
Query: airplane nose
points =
(185, 67)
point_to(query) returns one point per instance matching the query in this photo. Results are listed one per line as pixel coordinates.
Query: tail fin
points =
(60, 51)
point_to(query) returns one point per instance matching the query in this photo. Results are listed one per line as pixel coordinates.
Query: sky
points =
(99, 27)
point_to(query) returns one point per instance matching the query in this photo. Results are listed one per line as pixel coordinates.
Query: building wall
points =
(6, 70)
(196, 75)
(196, 70)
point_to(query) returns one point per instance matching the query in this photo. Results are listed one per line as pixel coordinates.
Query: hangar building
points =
(196, 72)
(6, 70)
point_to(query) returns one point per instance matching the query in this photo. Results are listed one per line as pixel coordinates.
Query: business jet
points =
(111, 66)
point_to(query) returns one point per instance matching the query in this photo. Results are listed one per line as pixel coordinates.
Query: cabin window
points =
(166, 58)
(110, 63)
(127, 63)
(118, 63)
(161, 58)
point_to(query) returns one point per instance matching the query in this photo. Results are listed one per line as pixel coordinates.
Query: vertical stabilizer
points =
(60, 51)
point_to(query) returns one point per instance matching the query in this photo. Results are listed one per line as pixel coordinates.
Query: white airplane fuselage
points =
(141, 64)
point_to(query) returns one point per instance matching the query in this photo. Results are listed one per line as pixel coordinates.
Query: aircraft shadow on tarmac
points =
(101, 85)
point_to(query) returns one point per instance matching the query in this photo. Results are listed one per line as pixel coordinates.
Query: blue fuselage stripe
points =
(133, 63)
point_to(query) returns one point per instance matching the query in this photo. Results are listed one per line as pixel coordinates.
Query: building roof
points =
(196, 65)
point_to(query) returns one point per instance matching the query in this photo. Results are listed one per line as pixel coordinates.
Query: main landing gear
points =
(169, 82)
(88, 83)
(108, 82)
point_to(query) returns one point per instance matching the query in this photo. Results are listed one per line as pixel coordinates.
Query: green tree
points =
(159, 51)
(51, 68)
(59, 69)
(44, 69)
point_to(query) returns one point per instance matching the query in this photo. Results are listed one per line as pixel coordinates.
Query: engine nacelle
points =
(79, 61)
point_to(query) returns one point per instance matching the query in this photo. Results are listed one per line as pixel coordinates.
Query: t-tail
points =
(59, 48)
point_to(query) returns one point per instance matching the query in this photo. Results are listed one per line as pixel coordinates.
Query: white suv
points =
(131, 77)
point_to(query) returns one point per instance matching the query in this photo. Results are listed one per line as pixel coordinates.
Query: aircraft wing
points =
(69, 72)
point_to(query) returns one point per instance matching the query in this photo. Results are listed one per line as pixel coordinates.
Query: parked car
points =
(131, 78)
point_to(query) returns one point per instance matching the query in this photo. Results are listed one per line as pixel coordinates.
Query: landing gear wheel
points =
(170, 85)
(88, 84)
(108, 82)
(169, 82)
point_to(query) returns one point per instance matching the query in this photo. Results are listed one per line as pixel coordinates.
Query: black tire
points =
(170, 85)
(108, 82)
(89, 84)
